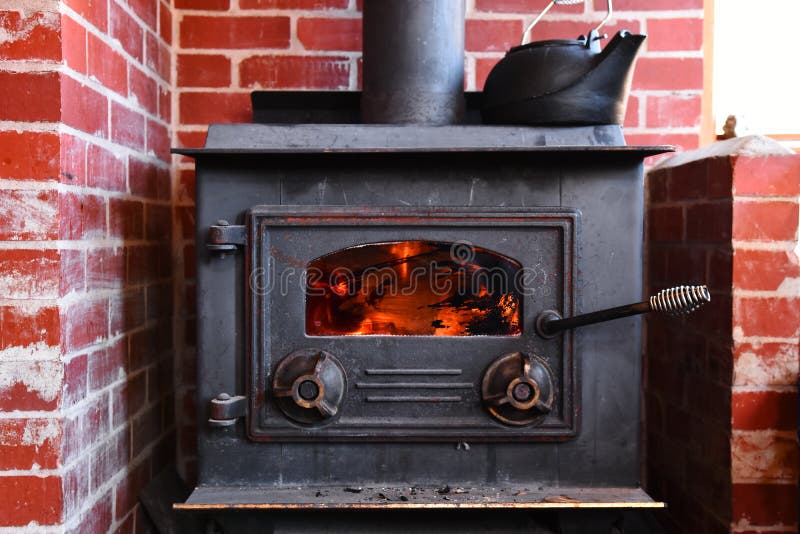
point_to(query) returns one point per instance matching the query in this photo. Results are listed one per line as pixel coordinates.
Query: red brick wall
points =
(85, 269)
(720, 387)
(227, 48)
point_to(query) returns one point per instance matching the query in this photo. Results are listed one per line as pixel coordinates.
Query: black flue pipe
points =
(413, 62)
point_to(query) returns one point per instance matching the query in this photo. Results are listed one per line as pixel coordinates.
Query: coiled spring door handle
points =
(675, 301)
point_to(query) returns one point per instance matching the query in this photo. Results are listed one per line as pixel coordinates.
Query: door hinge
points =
(225, 410)
(224, 237)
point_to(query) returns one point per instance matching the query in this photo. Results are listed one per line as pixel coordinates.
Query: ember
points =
(413, 288)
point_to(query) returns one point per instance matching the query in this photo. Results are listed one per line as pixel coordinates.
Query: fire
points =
(412, 288)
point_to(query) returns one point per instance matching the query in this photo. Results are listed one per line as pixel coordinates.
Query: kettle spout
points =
(609, 82)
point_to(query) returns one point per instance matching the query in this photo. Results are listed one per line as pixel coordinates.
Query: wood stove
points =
(372, 309)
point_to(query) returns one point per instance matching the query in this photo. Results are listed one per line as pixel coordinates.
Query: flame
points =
(383, 298)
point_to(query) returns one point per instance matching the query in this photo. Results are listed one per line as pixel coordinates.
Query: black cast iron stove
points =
(368, 298)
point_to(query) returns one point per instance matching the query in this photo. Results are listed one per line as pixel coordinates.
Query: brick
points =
(186, 183)
(687, 182)
(94, 11)
(73, 39)
(165, 22)
(142, 264)
(143, 350)
(158, 140)
(665, 224)
(768, 317)
(88, 109)
(158, 225)
(24, 326)
(662, 73)
(766, 364)
(159, 57)
(686, 264)
(127, 311)
(764, 410)
(25, 443)
(84, 323)
(765, 221)
(81, 216)
(30, 34)
(30, 386)
(73, 271)
(205, 5)
(144, 177)
(28, 215)
(128, 489)
(675, 34)
(204, 108)
(110, 458)
(709, 222)
(164, 104)
(289, 4)
(653, 5)
(329, 33)
(128, 31)
(107, 366)
(764, 270)
(73, 160)
(632, 112)
(105, 267)
(147, 10)
(29, 499)
(198, 31)
(673, 111)
(107, 65)
(98, 519)
(128, 398)
(767, 176)
(765, 504)
(30, 96)
(143, 89)
(26, 274)
(720, 177)
(127, 127)
(85, 427)
(105, 170)
(323, 72)
(763, 455)
(204, 70)
(483, 66)
(126, 218)
(75, 381)
(719, 276)
(76, 486)
(145, 429)
(159, 301)
(29, 156)
(525, 7)
(494, 35)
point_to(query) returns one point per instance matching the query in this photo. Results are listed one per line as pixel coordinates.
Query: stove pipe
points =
(413, 61)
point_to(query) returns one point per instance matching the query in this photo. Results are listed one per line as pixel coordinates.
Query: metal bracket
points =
(225, 410)
(224, 237)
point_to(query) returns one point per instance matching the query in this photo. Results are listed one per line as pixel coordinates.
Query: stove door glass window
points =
(413, 288)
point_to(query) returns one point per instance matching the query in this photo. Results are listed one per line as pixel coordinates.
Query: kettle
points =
(562, 81)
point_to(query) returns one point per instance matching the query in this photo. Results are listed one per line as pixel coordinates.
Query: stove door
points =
(409, 324)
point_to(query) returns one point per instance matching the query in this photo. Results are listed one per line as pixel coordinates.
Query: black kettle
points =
(562, 81)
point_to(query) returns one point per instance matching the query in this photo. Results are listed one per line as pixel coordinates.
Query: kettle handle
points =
(529, 27)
